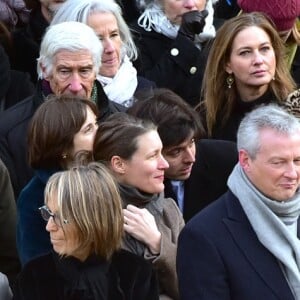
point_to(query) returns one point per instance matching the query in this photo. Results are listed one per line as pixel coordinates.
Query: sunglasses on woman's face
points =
(46, 214)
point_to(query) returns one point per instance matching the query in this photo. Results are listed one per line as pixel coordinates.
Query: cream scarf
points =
(122, 86)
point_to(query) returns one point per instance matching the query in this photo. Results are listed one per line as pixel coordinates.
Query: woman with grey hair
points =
(116, 74)
(171, 36)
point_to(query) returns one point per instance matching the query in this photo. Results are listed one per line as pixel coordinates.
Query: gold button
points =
(193, 70)
(174, 52)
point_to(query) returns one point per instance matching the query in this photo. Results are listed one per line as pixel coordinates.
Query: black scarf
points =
(152, 202)
(88, 280)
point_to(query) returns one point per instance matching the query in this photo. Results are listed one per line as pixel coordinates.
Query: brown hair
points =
(88, 197)
(219, 101)
(118, 135)
(175, 119)
(52, 130)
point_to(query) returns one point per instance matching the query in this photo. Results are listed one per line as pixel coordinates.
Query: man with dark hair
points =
(198, 168)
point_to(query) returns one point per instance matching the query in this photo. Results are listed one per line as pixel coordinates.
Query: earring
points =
(64, 156)
(229, 81)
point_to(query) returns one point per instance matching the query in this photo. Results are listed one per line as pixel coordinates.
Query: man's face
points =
(72, 73)
(275, 171)
(181, 159)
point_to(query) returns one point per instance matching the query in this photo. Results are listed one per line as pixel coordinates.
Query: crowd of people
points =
(149, 149)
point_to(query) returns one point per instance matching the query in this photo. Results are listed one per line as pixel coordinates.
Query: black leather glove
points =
(192, 23)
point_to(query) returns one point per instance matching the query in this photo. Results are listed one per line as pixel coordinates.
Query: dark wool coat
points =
(32, 238)
(220, 257)
(126, 277)
(215, 160)
(13, 133)
(229, 130)
(9, 262)
(175, 64)
(26, 44)
(14, 85)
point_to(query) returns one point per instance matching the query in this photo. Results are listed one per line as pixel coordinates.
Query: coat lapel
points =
(259, 257)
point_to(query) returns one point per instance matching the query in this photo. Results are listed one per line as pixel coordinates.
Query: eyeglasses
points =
(46, 214)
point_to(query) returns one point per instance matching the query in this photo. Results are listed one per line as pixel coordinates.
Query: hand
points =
(140, 223)
(192, 23)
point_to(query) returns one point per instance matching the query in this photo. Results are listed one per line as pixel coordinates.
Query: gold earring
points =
(229, 81)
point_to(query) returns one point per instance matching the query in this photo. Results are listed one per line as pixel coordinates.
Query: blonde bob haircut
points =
(88, 197)
(219, 101)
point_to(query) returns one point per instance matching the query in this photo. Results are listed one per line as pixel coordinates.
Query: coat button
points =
(174, 52)
(193, 70)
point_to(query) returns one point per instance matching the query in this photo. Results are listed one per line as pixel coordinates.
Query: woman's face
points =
(252, 61)
(84, 138)
(63, 236)
(145, 170)
(174, 9)
(106, 27)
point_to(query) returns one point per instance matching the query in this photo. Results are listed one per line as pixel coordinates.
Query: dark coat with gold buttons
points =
(176, 64)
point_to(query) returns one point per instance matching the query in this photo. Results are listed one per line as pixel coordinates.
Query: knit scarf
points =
(154, 18)
(152, 202)
(122, 86)
(269, 219)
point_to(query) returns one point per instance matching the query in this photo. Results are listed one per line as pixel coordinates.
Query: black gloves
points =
(192, 23)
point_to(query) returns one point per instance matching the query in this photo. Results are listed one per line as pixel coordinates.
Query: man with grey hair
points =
(246, 244)
(69, 61)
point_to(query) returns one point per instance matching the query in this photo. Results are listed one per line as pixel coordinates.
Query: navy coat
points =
(220, 257)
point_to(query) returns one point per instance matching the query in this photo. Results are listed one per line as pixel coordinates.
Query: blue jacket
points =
(32, 237)
(220, 258)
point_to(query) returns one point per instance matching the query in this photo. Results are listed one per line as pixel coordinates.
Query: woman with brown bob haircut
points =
(61, 127)
(84, 218)
(246, 67)
(132, 149)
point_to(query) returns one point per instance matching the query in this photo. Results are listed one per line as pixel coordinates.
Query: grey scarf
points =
(268, 218)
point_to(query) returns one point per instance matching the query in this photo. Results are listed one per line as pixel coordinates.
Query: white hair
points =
(80, 10)
(70, 36)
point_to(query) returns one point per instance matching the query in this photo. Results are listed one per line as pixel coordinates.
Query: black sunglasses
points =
(46, 214)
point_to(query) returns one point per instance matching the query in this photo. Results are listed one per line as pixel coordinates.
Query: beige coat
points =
(169, 222)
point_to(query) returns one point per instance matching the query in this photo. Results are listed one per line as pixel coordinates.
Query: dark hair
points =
(52, 130)
(118, 135)
(175, 119)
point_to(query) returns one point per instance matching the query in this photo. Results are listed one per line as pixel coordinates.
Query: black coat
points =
(130, 10)
(14, 85)
(13, 133)
(215, 160)
(228, 131)
(26, 44)
(127, 277)
(175, 64)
